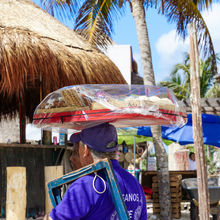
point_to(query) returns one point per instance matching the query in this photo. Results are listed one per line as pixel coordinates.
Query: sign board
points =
(151, 163)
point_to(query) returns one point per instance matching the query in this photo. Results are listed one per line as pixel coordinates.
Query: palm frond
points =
(183, 67)
(184, 12)
(96, 19)
(202, 4)
(186, 60)
(64, 9)
(178, 87)
(121, 3)
(179, 80)
(213, 92)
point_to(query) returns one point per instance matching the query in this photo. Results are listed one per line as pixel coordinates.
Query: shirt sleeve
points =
(76, 204)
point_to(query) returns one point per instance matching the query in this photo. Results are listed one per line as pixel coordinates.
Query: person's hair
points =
(190, 154)
(75, 149)
(101, 155)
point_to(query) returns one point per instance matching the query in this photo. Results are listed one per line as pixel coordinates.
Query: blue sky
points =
(166, 47)
(125, 33)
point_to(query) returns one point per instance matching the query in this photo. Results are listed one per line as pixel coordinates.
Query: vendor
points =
(90, 198)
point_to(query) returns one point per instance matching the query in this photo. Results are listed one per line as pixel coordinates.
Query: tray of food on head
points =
(82, 106)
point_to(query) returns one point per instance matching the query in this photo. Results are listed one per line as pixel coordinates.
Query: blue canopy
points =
(184, 135)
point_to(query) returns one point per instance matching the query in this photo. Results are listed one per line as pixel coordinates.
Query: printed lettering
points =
(130, 212)
(126, 198)
(131, 197)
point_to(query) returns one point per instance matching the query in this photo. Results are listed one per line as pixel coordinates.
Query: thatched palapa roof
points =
(37, 51)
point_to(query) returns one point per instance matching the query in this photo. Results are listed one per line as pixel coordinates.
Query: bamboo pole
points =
(203, 194)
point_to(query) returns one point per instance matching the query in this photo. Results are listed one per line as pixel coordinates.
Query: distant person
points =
(192, 161)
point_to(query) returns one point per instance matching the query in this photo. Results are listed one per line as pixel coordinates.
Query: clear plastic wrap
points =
(82, 106)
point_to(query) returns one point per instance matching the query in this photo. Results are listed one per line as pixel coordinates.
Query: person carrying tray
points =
(89, 197)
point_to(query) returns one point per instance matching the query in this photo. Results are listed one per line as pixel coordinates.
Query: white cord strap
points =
(93, 183)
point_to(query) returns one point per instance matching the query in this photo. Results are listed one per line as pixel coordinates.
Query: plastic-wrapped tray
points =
(81, 106)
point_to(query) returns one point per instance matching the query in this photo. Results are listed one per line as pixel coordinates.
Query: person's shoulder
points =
(125, 172)
(129, 177)
(84, 180)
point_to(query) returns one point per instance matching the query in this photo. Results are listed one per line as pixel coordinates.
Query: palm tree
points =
(94, 20)
(179, 80)
(214, 91)
(184, 12)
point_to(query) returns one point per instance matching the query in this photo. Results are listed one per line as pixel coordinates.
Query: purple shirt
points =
(82, 202)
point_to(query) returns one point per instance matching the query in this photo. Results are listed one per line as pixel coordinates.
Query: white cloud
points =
(169, 43)
(212, 18)
(170, 47)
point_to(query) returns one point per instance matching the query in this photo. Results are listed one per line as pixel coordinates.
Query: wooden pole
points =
(16, 197)
(46, 135)
(203, 194)
(22, 118)
(41, 88)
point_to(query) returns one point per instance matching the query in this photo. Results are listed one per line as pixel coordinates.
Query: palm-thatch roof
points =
(37, 51)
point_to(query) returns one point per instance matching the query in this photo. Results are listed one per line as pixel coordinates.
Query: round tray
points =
(81, 119)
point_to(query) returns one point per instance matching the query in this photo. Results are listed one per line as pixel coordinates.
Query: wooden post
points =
(46, 135)
(16, 193)
(41, 87)
(203, 194)
(50, 173)
(22, 118)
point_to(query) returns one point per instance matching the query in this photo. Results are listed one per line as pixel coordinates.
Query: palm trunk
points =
(162, 174)
(148, 73)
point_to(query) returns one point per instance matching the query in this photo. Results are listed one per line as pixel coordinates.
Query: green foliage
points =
(94, 18)
(209, 151)
(179, 80)
(91, 18)
(214, 91)
(211, 166)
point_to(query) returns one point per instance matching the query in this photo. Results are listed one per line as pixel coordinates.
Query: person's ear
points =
(87, 155)
(86, 152)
